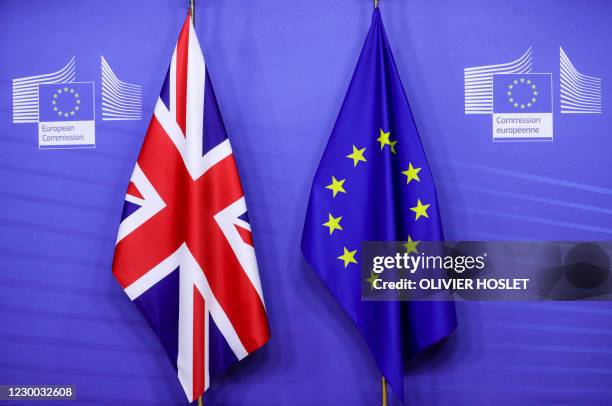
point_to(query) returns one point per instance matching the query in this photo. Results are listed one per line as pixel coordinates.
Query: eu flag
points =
(373, 184)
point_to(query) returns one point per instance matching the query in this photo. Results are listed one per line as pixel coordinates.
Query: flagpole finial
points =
(375, 3)
(191, 8)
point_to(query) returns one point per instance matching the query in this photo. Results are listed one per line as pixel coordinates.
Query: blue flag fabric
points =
(373, 184)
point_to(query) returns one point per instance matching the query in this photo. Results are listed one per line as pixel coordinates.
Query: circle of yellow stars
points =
(70, 92)
(522, 82)
(338, 187)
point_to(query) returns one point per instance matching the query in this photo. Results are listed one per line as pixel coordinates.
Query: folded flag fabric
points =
(184, 252)
(374, 184)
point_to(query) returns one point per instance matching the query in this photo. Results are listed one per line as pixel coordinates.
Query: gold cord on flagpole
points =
(384, 392)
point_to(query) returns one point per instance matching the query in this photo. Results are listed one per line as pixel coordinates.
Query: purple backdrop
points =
(281, 69)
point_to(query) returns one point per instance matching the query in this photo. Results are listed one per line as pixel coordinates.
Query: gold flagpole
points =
(375, 3)
(384, 392)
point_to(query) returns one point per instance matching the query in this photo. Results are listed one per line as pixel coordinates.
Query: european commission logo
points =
(65, 110)
(521, 101)
(522, 106)
(66, 116)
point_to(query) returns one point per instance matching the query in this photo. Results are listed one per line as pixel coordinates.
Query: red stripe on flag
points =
(182, 51)
(245, 234)
(161, 235)
(133, 190)
(228, 280)
(198, 343)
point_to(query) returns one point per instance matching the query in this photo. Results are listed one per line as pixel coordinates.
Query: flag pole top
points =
(375, 3)
(191, 8)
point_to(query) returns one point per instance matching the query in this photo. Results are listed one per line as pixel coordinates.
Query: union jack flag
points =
(184, 252)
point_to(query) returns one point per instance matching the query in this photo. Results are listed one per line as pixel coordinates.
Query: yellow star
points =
(336, 186)
(412, 173)
(420, 210)
(357, 155)
(333, 223)
(384, 139)
(65, 89)
(393, 151)
(373, 277)
(348, 257)
(411, 246)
